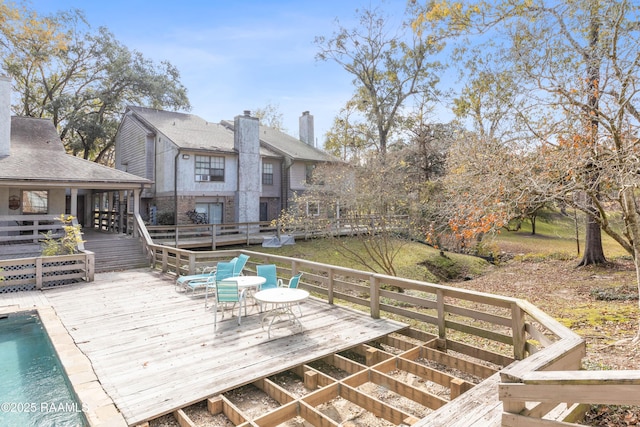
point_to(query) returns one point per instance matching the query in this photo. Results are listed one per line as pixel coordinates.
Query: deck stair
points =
(116, 252)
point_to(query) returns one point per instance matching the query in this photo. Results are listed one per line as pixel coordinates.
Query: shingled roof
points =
(186, 130)
(189, 131)
(38, 156)
(288, 146)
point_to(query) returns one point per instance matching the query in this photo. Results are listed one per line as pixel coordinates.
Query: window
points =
(35, 202)
(211, 211)
(313, 208)
(209, 168)
(267, 173)
(308, 173)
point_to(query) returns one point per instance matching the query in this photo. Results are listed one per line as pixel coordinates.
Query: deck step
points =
(117, 253)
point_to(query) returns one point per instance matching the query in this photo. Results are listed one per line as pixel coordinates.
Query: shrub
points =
(165, 218)
(65, 245)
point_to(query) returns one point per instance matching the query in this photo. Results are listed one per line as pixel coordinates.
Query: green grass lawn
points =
(555, 238)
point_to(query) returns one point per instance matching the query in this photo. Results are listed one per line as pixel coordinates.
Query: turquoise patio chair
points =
(183, 281)
(228, 293)
(240, 263)
(269, 272)
(293, 284)
(224, 270)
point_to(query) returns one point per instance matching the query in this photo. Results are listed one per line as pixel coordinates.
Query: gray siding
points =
(131, 143)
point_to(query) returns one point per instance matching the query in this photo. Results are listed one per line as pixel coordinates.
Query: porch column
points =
(121, 212)
(73, 208)
(136, 208)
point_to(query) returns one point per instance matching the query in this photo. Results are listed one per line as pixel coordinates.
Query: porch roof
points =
(38, 158)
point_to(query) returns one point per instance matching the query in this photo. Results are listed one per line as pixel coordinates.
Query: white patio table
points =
(282, 301)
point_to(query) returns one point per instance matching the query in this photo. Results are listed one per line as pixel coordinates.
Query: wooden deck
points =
(155, 350)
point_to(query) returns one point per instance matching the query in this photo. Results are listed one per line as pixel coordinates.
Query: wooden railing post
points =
(509, 407)
(36, 223)
(330, 280)
(192, 263)
(518, 332)
(39, 272)
(165, 260)
(374, 296)
(442, 329)
(90, 265)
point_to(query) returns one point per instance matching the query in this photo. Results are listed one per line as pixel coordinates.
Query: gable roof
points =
(288, 146)
(37, 156)
(192, 132)
(292, 147)
(186, 130)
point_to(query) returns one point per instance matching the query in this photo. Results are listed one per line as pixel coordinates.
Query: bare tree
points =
(387, 68)
(578, 72)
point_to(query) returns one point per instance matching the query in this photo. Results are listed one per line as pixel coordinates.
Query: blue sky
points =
(236, 55)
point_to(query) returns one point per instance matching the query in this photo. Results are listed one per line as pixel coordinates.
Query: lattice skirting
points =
(14, 273)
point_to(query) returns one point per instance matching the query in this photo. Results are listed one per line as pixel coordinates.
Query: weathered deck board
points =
(26, 300)
(155, 350)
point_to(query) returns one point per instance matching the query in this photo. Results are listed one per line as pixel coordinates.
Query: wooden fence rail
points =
(40, 272)
(541, 357)
(538, 393)
(46, 272)
(18, 229)
(498, 321)
(209, 235)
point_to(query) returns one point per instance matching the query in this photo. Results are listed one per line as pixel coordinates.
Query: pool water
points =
(34, 390)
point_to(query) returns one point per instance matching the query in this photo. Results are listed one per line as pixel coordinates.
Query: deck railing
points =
(44, 272)
(214, 235)
(19, 229)
(33, 271)
(541, 380)
(208, 235)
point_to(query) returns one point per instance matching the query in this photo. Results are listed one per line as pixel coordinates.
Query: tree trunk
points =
(593, 253)
(533, 224)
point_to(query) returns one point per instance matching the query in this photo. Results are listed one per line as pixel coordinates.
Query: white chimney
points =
(5, 116)
(306, 129)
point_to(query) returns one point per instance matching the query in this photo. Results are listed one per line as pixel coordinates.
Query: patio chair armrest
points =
(280, 283)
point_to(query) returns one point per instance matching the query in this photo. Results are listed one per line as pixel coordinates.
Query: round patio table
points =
(281, 300)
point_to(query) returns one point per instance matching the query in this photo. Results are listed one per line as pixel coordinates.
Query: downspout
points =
(285, 183)
(175, 194)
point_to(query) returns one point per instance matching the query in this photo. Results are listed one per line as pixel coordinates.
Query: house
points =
(38, 177)
(232, 171)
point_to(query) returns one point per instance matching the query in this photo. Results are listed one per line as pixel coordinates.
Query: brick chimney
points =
(246, 140)
(5, 116)
(306, 129)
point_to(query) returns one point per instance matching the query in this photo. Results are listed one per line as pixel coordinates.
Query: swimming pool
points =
(34, 390)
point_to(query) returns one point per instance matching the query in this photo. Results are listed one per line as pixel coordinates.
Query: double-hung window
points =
(209, 168)
(267, 174)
